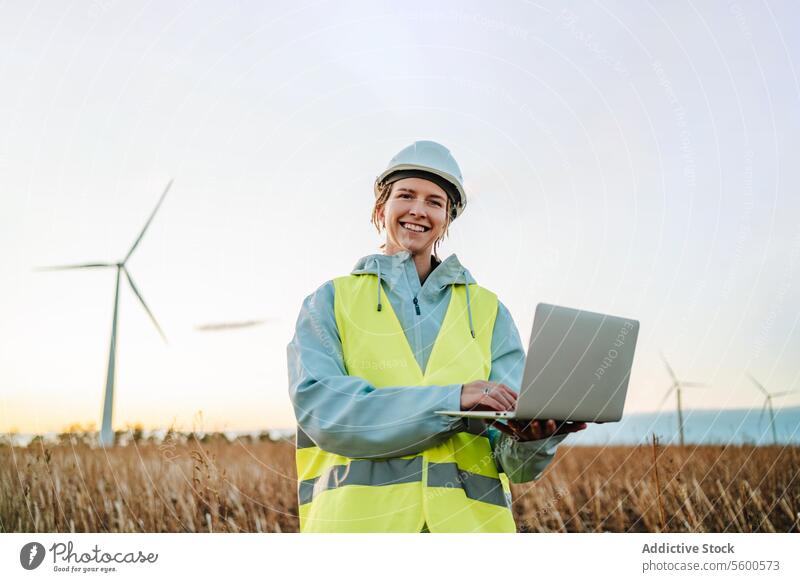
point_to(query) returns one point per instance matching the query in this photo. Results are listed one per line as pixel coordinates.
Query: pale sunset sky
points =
(632, 158)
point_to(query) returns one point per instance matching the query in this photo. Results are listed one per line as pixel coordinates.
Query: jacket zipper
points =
(418, 336)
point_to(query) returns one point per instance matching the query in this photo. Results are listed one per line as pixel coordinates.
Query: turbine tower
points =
(768, 404)
(676, 386)
(106, 432)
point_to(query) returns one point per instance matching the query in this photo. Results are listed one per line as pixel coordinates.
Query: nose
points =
(417, 208)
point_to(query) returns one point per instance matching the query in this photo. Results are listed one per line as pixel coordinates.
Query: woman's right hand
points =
(484, 395)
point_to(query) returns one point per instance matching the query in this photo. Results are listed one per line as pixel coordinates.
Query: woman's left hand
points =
(530, 430)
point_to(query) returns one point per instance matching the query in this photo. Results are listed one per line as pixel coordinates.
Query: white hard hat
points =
(432, 161)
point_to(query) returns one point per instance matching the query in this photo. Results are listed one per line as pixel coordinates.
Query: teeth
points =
(414, 227)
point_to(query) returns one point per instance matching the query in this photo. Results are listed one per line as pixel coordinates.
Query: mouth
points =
(411, 227)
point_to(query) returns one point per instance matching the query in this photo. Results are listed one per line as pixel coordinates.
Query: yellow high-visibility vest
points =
(451, 487)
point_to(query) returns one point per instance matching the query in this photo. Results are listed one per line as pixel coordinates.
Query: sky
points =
(632, 158)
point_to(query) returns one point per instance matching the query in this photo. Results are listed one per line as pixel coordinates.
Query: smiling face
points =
(414, 215)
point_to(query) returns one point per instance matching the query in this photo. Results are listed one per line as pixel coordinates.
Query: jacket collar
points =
(391, 268)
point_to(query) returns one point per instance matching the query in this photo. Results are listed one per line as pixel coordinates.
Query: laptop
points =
(577, 368)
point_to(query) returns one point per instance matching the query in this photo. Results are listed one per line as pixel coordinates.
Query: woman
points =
(377, 352)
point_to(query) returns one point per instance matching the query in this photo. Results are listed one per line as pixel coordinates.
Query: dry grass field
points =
(249, 486)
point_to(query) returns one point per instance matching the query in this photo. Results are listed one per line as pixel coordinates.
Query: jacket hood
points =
(390, 268)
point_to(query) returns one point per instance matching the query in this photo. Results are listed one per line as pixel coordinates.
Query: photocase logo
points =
(31, 555)
(66, 559)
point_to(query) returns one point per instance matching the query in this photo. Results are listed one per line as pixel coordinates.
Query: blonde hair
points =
(384, 191)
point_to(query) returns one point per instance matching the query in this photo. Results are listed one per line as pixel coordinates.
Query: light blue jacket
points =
(348, 416)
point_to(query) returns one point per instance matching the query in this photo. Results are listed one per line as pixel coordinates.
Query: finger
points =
(550, 427)
(479, 397)
(492, 402)
(508, 402)
(523, 427)
(511, 393)
(503, 396)
(516, 423)
(502, 427)
(570, 428)
(515, 426)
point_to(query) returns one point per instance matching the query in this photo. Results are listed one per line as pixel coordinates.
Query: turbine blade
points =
(669, 368)
(81, 266)
(141, 300)
(784, 393)
(667, 395)
(693, 385)
(147, 224)
(758, 385)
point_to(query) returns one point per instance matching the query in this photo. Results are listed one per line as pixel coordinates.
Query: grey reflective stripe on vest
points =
(362, 472)
(303, 440)
(475, 486)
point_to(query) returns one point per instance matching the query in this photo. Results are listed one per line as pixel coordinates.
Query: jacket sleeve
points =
(521, 460)
(345, 414)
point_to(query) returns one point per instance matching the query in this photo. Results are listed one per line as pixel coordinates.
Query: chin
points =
(415, 246)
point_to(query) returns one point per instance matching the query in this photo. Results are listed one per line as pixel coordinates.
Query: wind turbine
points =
(106, 432)
(768, 404)
(676, 386)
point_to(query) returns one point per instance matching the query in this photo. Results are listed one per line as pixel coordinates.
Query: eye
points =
(436, 202)
(404, 195)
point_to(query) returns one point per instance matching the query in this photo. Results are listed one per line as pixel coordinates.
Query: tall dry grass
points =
(245, 486)
(701, 489)
(149, 487)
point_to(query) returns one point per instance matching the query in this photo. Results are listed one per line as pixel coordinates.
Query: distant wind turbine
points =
(768, 404)
(676, 386)
(106, 432)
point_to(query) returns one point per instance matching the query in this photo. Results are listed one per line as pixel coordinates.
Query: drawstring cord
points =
(469, 309)
(378, 263)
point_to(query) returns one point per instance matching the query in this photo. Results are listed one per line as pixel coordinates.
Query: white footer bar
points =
(355, 557)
